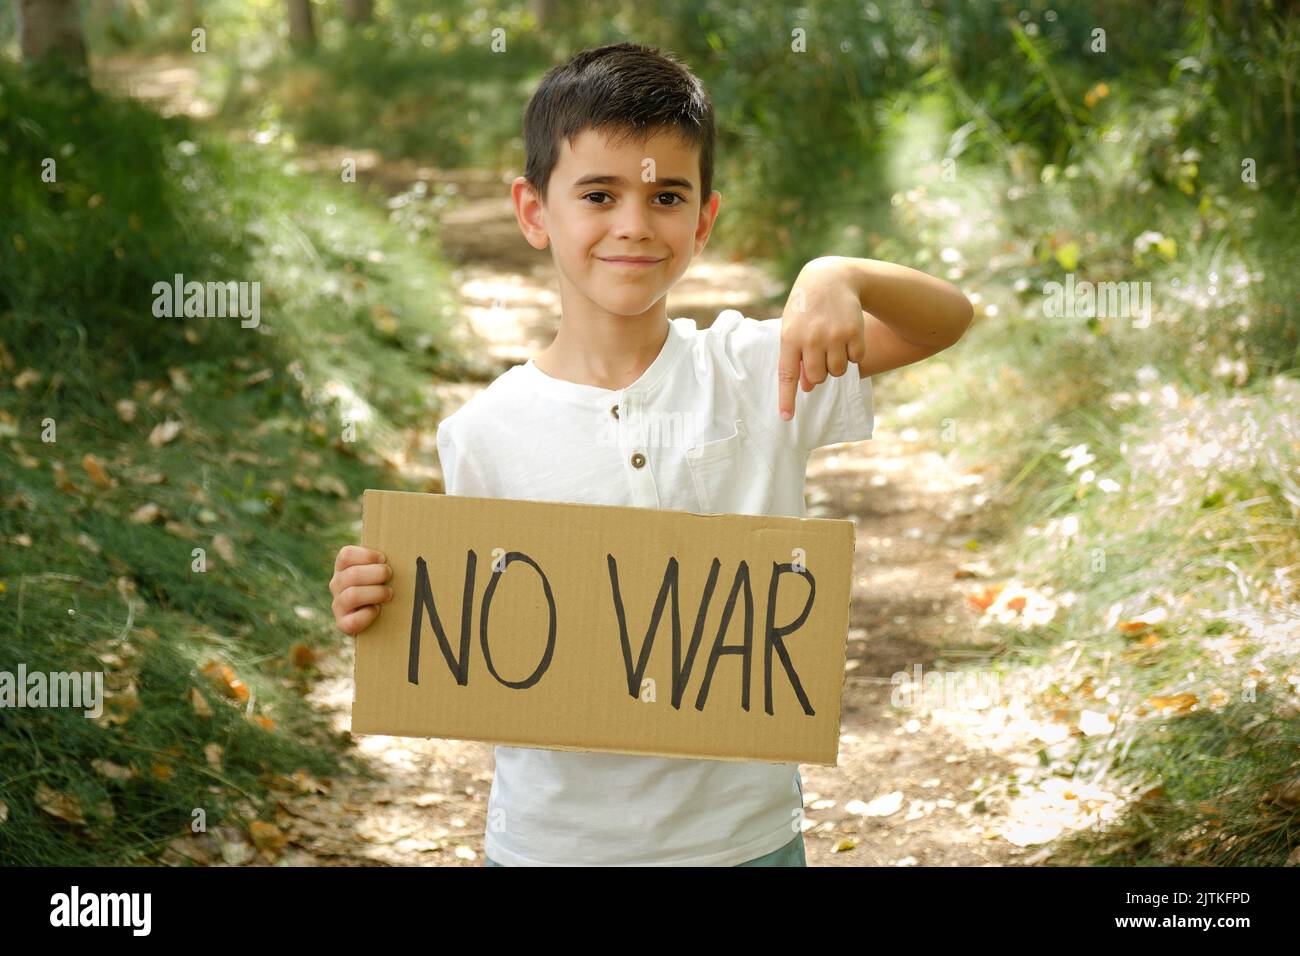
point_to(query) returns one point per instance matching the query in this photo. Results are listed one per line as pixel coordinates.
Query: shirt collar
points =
(679, 331)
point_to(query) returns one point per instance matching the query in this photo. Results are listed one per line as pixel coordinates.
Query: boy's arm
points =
(907, 315)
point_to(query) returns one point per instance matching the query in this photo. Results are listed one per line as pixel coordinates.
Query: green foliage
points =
(350, 329)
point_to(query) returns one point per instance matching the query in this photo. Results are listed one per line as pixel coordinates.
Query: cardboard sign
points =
(605, 628)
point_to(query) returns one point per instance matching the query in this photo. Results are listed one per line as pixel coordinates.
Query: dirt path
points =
(913, 787)
(915, 514)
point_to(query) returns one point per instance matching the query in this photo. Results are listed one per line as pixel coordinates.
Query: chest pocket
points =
(731, 475)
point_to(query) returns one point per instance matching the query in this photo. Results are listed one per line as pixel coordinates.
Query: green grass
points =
(1193, 417)
(351, 328)
(435, 103)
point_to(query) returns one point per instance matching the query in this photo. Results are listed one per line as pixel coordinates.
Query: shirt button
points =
(638, 460)
(614, 411)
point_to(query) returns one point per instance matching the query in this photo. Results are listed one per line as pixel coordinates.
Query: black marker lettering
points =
(742, 576)
(682, 672)
(670, 583)
(424, 600)
(773, 635)
(545, 662)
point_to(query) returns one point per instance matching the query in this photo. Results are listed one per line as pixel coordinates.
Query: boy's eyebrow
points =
(608, 180)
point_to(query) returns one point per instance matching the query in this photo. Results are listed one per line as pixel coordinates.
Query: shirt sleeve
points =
(460, 476)
(839, 409)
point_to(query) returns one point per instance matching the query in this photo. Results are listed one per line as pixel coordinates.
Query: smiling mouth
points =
(632, 263)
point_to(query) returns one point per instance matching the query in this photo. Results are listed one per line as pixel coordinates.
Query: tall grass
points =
(104, 508)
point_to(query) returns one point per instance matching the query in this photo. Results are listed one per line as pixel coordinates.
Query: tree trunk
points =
(302, 28)
(51, 30)
(544, 12)
(359, 12)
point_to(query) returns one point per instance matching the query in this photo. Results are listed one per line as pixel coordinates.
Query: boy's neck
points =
(609, 352)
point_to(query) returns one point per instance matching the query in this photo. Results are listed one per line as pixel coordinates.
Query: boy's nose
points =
(633, 225)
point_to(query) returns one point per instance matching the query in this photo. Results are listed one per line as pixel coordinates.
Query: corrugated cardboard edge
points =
(368, 533)
(844, 648)
(778, 520)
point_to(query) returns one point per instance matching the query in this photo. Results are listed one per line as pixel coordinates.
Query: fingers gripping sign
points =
(823, 331)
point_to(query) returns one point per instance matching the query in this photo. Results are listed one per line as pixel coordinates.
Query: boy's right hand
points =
(359, 588)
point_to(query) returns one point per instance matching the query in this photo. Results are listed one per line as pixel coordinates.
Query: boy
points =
(610, 137)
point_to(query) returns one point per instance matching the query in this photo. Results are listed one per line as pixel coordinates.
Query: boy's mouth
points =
(631, 261)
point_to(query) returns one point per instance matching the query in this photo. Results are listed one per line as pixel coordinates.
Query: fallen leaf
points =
(224, 547)
(266, 836)
(331, 485)
(146, 514)
(212, 754)
(112, 771)
(973, 569)
(181, 530)
(302, 656)
(848, 843)
(200, 703)
(225, 681)
(61, 479)
(882, 806)
(1144, 621)
(234, 848)
(983, 598)
(164, 432)
(1287, 794)
(1178, 703)
(119, 705)
(27, 377)
(306, 783)
(195, 848)
(95, 469)
(125, 409)
(1094, 723)
(65, 806)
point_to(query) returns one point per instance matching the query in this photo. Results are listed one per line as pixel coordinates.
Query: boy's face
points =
(612, 199)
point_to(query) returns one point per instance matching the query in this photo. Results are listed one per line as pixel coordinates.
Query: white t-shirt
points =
(704, 424)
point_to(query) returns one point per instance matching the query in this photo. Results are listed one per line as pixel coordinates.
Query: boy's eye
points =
(677, 196)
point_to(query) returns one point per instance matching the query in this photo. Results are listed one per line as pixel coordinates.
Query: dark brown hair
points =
(625, 91)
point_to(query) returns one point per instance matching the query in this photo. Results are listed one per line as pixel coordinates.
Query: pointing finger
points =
(787, 378)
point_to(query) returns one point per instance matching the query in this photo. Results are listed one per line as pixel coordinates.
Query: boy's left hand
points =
(822, 331)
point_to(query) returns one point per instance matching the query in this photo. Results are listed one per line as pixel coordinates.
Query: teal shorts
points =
(789, 855)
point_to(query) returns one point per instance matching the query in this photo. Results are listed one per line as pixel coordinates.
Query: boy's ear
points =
(708, 216)
(529, 212)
